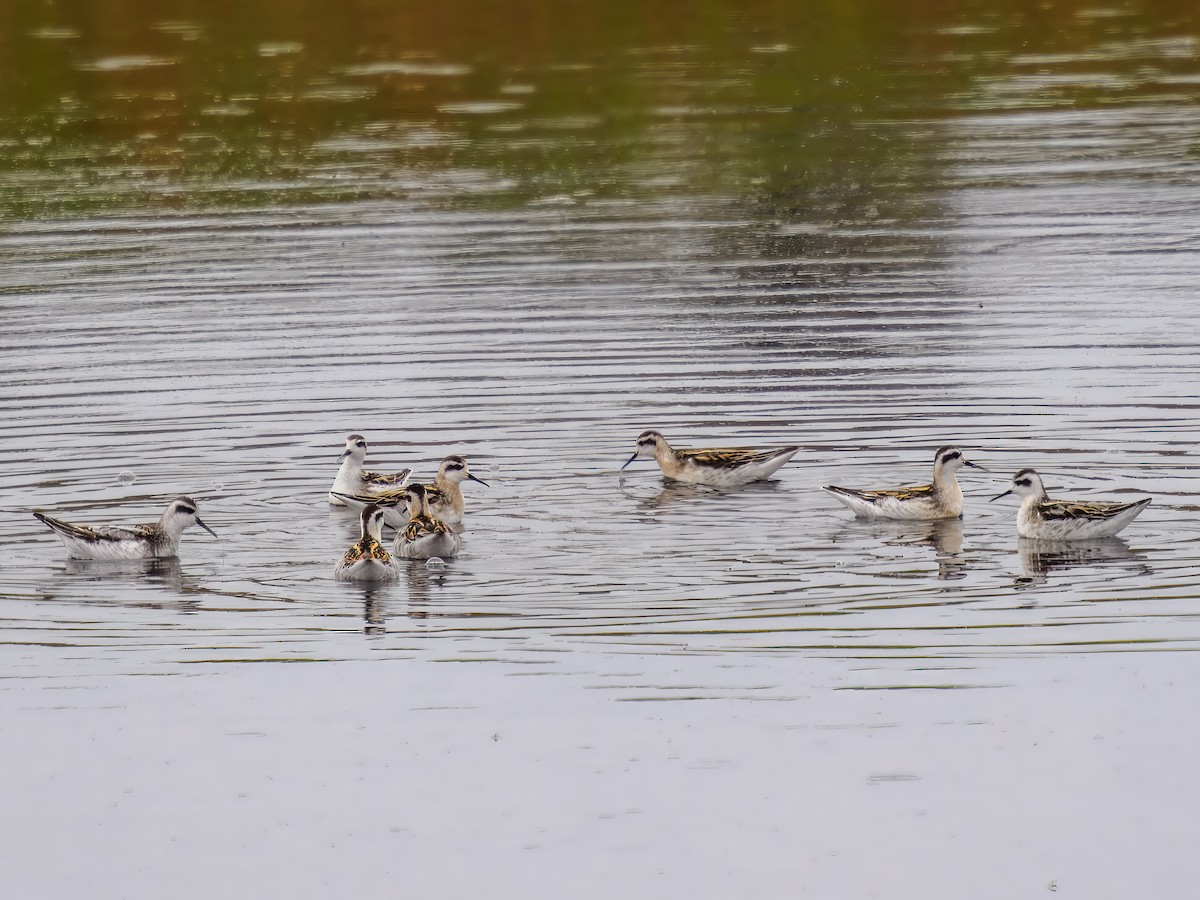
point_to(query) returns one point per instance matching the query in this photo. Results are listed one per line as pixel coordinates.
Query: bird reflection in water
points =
(1040, 558)
(374, 603)
(423, 580)
(166, 573)
(679, 492)
(374, 622)
(943, 536)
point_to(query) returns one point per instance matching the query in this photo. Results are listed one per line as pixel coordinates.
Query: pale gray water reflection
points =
(943, 537)
(230, 241)
(161, 574)
(1041, 559)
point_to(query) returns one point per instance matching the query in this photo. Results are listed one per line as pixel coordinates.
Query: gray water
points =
(623, 685)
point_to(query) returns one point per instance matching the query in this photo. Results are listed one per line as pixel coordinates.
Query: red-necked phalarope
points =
(444, 497)
(368, 559)
(718, 468)
(158, 540)
(424, 536)
(943, 499)
(351, 479)
(1066, 520)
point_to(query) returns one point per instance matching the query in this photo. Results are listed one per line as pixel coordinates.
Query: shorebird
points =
(943, 499)
(351, 479)
(368, 559)
(444, 497)
(157, 540)
(424, 536)
(1066, 520)
(718, 468)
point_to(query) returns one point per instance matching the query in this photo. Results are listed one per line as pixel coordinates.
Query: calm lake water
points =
(525, 233)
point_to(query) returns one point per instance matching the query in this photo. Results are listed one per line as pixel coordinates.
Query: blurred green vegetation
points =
(775, 109)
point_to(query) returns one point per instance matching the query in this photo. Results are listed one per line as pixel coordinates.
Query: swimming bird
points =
(444, 497)
(155, 541)
(943, 499)
(1066, 520)
(424, 536)
(718, 468)
(351, 479)
(368, 559)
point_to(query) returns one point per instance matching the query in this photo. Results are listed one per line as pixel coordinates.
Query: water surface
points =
(525, 236)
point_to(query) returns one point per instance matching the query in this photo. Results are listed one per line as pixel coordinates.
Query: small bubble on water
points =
(494, 468)
(218, 487)
(435, 563)
(126, 477)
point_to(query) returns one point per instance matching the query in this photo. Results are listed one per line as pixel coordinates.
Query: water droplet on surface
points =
(126, 477)
(435, 563)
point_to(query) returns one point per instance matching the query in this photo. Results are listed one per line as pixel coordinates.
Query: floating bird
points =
(154, 541)
(368, 559)
(943, 499)
(351, 479)
(718, 468)
(424, 536)
(1066, 520)
(444, 497)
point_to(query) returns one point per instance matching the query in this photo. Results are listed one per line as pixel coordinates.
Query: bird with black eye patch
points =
(154, 541)
(722, 468)
(444, 497)
(352, 480)
(424, 536)
(1066, 520)
(942, 499)
(367, 559)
